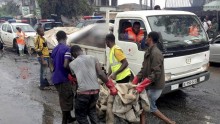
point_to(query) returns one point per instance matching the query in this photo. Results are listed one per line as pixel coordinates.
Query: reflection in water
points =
(47, 117)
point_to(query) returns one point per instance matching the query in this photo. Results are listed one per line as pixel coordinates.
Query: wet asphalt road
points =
(21, 102)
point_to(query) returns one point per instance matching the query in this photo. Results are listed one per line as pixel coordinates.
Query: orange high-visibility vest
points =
(21, 38)
(132, 36)
(193, 31)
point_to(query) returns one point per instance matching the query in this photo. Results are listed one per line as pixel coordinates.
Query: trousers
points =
(85, 106)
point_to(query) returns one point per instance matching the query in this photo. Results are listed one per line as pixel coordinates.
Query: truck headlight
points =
(167, 76)
(205, 67)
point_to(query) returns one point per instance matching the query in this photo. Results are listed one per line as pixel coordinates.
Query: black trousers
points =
(65, 96)
(125, 80)
(85, 106)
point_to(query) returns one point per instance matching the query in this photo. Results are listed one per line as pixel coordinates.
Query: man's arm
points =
(140, 74)
(119, 55)
(109, 71)
(109, 83)
(100, 72)
(123, 66)
(67, 59)
(66, 63)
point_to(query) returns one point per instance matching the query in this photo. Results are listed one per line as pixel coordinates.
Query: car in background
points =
(48, 24)
(215, 50)
(8, 32)
(5, 18)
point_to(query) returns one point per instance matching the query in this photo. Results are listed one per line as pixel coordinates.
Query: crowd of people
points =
(211, 27)
(70, 63)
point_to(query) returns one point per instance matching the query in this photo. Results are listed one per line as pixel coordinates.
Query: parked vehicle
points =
(5, 18)
(48, 24)
(215, 50)
(186, 57)
(8, 33)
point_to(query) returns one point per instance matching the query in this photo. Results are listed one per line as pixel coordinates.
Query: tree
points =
(10, 9)
(68, 8)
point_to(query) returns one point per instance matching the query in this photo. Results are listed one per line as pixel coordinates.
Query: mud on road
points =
(21, 102)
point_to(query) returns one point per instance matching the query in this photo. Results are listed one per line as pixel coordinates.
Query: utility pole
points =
(151, 4)
(140, 1)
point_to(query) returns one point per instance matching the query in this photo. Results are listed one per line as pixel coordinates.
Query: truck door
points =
(132, 46)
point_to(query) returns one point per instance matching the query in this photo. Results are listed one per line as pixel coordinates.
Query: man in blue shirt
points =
(61, 58)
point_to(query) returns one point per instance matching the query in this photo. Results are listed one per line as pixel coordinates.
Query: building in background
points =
(195, 6)
(30, 8)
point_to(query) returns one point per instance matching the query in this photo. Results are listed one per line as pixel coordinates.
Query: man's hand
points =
(135, 80)
(110, 84)
(146, 82)
(113, 76)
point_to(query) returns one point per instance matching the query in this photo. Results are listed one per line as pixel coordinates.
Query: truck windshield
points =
(178, 32)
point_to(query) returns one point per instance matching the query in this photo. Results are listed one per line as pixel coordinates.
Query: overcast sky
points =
(157, 2)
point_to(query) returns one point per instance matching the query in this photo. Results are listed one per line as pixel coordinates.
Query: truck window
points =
(178, 32)
(132, 30)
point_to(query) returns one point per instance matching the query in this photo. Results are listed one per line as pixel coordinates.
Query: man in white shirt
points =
(207, 24)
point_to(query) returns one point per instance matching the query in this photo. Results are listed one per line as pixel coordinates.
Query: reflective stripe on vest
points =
(115, 65)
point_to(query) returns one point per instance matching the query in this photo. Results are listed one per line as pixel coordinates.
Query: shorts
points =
(153, 95)
(65, 96)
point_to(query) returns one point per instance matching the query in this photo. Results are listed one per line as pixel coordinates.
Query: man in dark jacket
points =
(153, 71)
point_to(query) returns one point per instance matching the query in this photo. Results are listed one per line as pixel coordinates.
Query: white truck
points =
(186, 56)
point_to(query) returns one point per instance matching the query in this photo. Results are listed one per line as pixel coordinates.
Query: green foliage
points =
(69, 8)
(10, 9)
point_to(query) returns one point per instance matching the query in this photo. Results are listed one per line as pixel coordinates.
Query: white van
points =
(186, 56)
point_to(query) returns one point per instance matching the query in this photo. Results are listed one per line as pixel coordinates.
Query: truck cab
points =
(186, 55)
